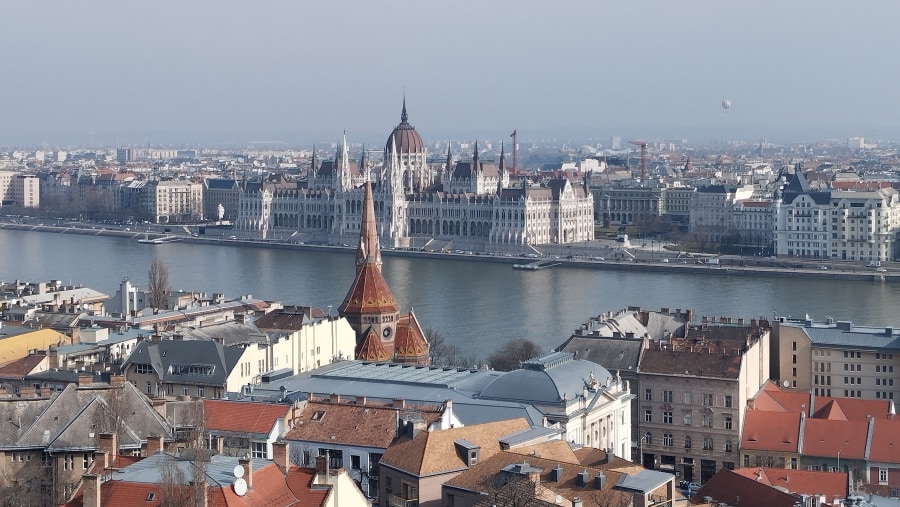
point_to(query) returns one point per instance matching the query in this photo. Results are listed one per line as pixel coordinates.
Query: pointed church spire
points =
(368, 251)
(475, 167)
(403, 116)
(364, 164)
(502, 157)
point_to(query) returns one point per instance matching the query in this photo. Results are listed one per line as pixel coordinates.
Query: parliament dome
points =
(404, 137)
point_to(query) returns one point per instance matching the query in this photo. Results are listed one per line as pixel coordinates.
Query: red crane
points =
(643, 145)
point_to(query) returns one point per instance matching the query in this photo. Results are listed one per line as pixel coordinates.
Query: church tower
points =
(369, 306)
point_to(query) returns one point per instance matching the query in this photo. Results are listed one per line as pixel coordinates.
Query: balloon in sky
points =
(726, 104)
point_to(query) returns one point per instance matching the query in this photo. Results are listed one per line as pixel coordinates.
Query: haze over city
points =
(107, 73)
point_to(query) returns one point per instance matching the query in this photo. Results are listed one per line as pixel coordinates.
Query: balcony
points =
(396, 501)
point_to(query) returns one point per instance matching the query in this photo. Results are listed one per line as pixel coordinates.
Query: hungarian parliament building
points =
(469, 205)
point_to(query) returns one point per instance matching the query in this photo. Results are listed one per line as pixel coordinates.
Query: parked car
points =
(881, 270)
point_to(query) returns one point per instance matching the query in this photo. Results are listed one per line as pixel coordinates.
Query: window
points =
(668, 440)
(707, 443)
(85, 461)
(882, 475)
(259, 450)
(727, 422)
(648, 415)
(69, 462)
(143, 369)
(707, 399)
(648, 395)
(648, 438)
(354, 462)
(728, 445)
(149, 387)
(687, 397)
(184, 391)
(200, 392)
(707, 420)
(667, 396)
(746, 460)
(687, 442)
(728, 401)
(793, 463)
(687, 418)
(667, 417)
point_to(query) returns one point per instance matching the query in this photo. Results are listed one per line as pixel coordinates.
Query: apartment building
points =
(691, 392)
(712, 211)
(836, 358)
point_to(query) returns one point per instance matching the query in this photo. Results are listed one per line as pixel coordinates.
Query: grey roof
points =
(221, 184)
(16, 416)
(230, 333)
(644, 482)
(167, 356)
(845, 335)
(389, 381)
(219, 469)
(73, 418)
(618, 354)
(548, 379)
(530, 434)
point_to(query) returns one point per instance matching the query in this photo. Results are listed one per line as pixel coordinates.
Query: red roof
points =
(409, 344)
(243, 417)
(824, 437)
(729, 487)
(372, 349)
(778, 431)
(831, 484)
(885, 441)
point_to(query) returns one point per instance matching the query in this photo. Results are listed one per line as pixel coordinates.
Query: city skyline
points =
(101, 72)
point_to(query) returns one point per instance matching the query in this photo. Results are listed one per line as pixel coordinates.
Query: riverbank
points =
(587, 256)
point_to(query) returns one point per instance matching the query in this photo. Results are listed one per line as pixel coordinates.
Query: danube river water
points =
(476, 305)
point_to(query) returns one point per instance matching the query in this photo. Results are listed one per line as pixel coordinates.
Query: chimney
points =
(26, 392)
(155, 444)
(45, 392)
(361, 400)
(109, 444)
(582, 478)
(85, 380)
(281, 455)
(556, 473)
(599, 481)
(117, 380)
(102, 459)
(398, 403)
(334, 398)
(576, 501)
(246, 463)
(704, 319)
(91, 490)
(52, 358)
(740, 322)
(220, 445)
(321, 464)
(159, 405)
(534, 477)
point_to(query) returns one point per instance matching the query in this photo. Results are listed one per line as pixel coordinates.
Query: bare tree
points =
(512, 353)
(158, 285)
(446, 354)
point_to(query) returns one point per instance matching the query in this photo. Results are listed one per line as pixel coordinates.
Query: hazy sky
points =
(304, 71)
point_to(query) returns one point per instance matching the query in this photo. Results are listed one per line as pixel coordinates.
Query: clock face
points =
(386, 332)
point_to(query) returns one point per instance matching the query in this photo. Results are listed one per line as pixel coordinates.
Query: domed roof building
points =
(405, 157)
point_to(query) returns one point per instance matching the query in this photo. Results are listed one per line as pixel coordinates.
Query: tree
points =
(446, 354)
(158, 286)
(512, 353)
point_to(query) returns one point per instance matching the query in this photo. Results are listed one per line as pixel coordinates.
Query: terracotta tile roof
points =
(885, 441)
(286, 319)
(372, 348)
(852, 409)
(483, 478)
(434, 452)
(823, 437)
(410, 344)
(346, 424)
(369, 293)
(300, 481)
(243, 417)
(729, 487)
(774, 431)
(19, 368)
(832, 485)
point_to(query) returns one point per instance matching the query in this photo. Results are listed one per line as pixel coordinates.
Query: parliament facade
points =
(471, 204)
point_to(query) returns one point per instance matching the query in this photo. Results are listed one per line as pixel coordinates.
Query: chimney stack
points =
(159, 405)
(220, 445)
(109, 444)
(155, 444)
(117, 380)
(85, 380)
(281, 455)
(334, 398)
(91, 490)
(321, 464)
(246, 463)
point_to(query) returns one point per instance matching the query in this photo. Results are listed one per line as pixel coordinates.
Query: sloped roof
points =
(243, 417)
(20, 368)
(409, 340)
(729, 487)
(435, 452)
(163, 355)
(622, 354)
(372, 349)
(17, 416)
(703, 364)
(800, 481)
(823, 437)
(17, 346)
(345, 424)
(774, 431)
(885, 441)
(369, 294)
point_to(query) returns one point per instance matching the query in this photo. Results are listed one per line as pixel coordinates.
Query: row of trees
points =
(507, 357)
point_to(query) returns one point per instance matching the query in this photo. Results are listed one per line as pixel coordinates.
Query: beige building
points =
(712, 211)
(19, 190)
(177, 201)
(836, 358)
(691, 395)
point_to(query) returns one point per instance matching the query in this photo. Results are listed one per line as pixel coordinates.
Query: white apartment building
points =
(711, 217)
(19, 190)
(177, 201)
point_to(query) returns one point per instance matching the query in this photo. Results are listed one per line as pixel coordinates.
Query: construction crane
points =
(643, 145)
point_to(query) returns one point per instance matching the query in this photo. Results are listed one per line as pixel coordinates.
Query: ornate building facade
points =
(472, 204)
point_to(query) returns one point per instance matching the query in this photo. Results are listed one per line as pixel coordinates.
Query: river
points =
(475, 305)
